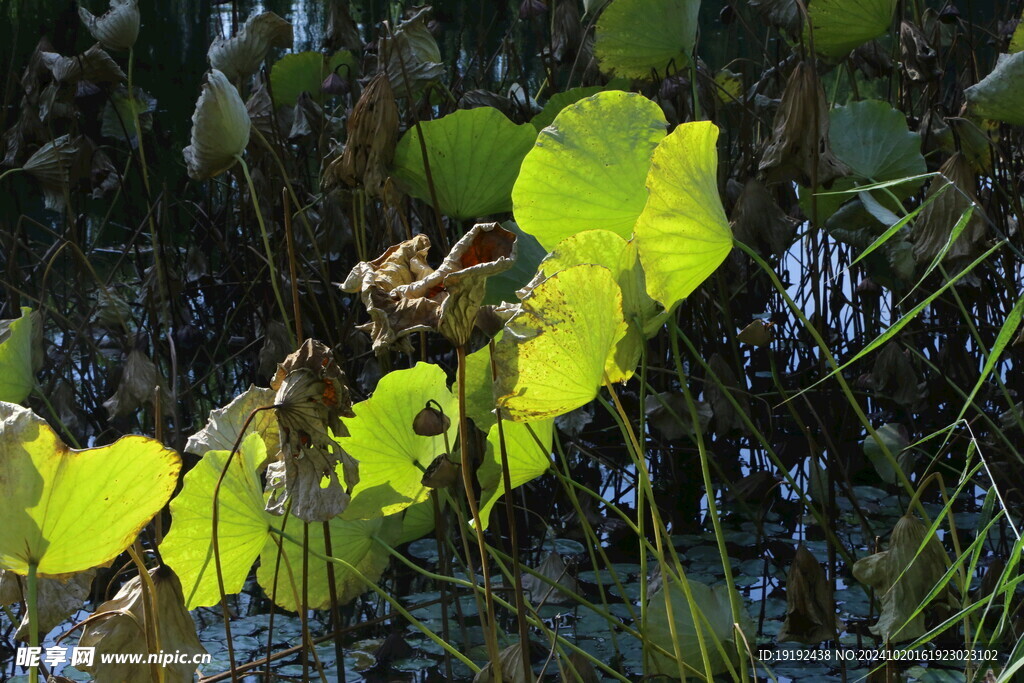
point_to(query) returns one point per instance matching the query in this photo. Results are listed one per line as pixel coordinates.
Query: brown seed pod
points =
(430, 422)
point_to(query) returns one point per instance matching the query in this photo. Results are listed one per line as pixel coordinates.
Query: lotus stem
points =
(268, 250)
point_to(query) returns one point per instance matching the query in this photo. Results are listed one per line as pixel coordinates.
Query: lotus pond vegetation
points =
(517, 340)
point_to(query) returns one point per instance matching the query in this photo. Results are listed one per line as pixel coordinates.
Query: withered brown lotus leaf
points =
(312, 396)
(139, 382)
(919, 59)
(566, 30)
(51, 165)
(901, 580)
(117, 28)
(342, 33)
(513, 670)
(893, 375)
(934, 225)
(56, 599)
(261, 110)
(758, 220)
(553, 568)
(410, 54)
(800, 135)
(403, 294)
(757, 333)
(727, 419)
(372, 136)
(121, 629)
(94, 65)
(241, 55)
(810, 605)
(224, 425)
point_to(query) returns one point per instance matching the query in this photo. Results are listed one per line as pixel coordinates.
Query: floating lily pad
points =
(392, 457)
(587, 169)
(16, 376)
(554, 354)
(713, 605)
(474, 157)
(641, 38)
(841, 25)
(68, 510)
(683, 234)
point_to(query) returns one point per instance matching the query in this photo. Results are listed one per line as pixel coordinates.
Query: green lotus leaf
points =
(559, 101)
(873, 140)
(841, 25)
(351, 540)
(242, 526)
(503, 286)
(683, 234)
(998, 96)
(480, 399)
(555, 352)
(587, 169)
(68, 510)
(474, 157)
(392, 458)
(526, 460)
(605, 248)
(713, 604)
(640, 38)
(417, 522)
(16, 376)
(302, 72)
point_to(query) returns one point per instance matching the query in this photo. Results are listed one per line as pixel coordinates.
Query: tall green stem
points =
(268, 250)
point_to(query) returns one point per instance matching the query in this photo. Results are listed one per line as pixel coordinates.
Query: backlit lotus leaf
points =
(71, 510)
(683, 235)
(554, 354)
(587, 169)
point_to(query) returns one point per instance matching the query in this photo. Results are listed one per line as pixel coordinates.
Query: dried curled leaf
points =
(240, 55)
(934, 226)
(372, 136)
(119, 625)
(513, 670)
(56, 600)
(118, 28)
(902, 578)
(403, 294)
(811, 608)
(312, 396)
(52, 166)
(553, 568)
(800, 134)
(138, 386)
(220, 128)
(413, 57)
(94, 65)
(224, 425)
